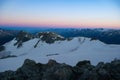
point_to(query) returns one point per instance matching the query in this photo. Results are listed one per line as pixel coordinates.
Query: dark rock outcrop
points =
(22, 37)
(53, 70)
(56, 71)
(2, 48)
(49, 37)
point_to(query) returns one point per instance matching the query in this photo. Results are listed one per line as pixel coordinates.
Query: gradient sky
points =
(61, 13)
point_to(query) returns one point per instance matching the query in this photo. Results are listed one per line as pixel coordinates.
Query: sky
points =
(61, 13)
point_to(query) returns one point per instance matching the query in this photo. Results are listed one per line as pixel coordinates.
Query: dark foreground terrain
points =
(53, 70)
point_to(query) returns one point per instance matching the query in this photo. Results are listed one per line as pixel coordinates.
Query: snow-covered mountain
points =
(108, 36)
(48, 45)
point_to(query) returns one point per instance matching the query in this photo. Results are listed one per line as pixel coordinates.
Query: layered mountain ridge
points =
(48, 37)
(108, 36)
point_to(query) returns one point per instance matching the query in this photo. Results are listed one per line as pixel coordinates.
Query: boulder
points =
(83, 63)
(58, 72)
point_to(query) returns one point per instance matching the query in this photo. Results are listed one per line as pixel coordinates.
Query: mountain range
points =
(49, 45)
(108, 36)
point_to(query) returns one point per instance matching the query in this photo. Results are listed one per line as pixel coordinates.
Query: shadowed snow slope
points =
(63, 51)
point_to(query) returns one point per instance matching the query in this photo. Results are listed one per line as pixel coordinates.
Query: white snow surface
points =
(69, 52)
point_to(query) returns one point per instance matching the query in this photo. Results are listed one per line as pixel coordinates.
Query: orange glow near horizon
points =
(62, 24)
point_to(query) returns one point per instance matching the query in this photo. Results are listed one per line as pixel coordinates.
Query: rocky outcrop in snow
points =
(49, 37)
(53, 70)
(22, 37)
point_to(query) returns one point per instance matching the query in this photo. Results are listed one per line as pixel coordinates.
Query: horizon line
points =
(50, 26)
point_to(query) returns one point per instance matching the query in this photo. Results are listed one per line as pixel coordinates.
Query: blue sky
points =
(64, 13)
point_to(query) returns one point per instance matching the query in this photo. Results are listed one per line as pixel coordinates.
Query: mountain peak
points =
(23, 37)
(50, 37)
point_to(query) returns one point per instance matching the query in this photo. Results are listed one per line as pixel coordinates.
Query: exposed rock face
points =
(23, 37)
(31, 70)
(56, 71)
(49, 37)
(2, 48)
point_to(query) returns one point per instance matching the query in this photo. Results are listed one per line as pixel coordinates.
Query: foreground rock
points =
(83, 70)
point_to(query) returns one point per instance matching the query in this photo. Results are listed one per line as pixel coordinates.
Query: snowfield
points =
(69, 52)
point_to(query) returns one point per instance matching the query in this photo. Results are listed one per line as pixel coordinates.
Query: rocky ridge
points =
(53, 70)
(48, 37)
(22, 37)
